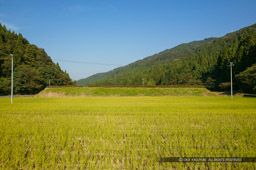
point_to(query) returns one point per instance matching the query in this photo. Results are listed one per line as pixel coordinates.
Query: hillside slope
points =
(168, 55)
(201, 62)
(95, 77)
(33, 68)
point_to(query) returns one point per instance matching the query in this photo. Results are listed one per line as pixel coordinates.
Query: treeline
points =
(33, 68)
(196, 63)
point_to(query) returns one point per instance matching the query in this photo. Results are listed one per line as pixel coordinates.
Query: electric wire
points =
(83, 62)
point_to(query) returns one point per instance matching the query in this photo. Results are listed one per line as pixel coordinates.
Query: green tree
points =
(5, 85)
(151, 82)
(27, 80)
(248, 79)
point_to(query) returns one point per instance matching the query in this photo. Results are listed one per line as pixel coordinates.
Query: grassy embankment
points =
(123, 91)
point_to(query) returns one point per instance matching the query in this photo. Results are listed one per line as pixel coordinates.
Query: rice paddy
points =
(126, 132)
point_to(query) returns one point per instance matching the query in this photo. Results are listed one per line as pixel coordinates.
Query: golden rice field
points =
(126, 132)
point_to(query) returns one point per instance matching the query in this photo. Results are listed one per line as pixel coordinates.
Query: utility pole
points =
(143, 81)
(231, 81)
(12, 81)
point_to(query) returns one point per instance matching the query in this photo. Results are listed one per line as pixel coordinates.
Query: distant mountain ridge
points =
(166, 55)
(198, 62)
(93, 78)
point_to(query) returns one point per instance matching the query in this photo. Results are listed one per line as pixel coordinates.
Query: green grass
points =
(125, 91)
(125, 132)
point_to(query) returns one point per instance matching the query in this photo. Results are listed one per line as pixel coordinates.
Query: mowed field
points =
(125, 132)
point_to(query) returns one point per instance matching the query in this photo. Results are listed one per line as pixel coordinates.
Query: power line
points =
(73, 61)
(12, 80)
(83, 62)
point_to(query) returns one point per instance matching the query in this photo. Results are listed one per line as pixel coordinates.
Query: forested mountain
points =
(160, 58)
(95, 77)
(33, 68)
(199, 62)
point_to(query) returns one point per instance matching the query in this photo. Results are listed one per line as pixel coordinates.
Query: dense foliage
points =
(33, 68)
(200, 62)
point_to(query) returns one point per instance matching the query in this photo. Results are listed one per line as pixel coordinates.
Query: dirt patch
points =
(51, 94)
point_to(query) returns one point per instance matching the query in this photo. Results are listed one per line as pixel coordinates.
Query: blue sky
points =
(104, 34)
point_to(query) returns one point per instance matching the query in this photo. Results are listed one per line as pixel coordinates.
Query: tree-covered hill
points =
(33, 68)
(199, 62)
(94, 78)
(160, 58)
